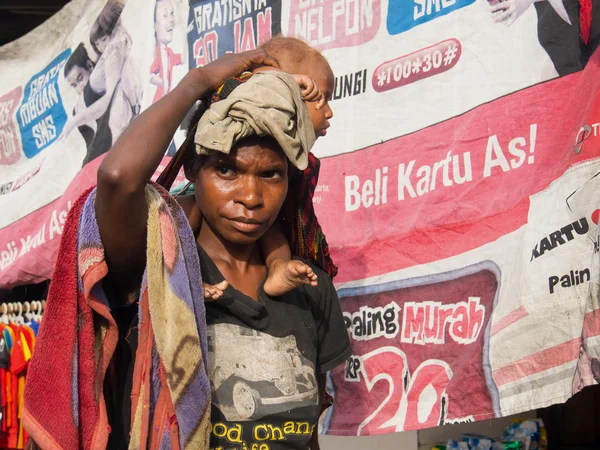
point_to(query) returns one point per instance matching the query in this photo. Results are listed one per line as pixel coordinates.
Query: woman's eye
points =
(224, 170)
(273, 174)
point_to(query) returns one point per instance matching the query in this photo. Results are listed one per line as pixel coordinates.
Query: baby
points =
(315, 78)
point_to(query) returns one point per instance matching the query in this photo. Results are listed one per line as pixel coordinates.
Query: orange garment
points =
(20, 393)
(21, 387)
(30, 336)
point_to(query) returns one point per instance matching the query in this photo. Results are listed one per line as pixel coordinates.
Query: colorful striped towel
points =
(64, 401)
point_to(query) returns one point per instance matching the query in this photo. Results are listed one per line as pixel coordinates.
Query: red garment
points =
(51, 416)
(3, 387)
(174, 59)
(3, 405)
(585, 20)
(17, 370)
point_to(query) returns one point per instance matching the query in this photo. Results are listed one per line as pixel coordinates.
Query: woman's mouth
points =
(245, 224)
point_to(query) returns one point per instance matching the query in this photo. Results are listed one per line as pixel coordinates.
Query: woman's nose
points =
(250, 192)
(328, 111)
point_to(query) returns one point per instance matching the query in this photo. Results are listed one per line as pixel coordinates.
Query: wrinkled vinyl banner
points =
(459, 190)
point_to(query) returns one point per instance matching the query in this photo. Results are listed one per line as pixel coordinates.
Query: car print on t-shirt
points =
(254, 374)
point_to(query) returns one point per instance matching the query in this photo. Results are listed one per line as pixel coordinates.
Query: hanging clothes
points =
(17, 344)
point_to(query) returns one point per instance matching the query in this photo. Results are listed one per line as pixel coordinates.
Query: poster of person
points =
(458, 186)
(109, 88)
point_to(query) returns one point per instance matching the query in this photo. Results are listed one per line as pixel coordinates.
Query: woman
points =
(266, 359)
(114, 81)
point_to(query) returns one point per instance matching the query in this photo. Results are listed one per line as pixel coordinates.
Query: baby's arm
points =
(285, 273)
(194, 216)
(274, 245)
(310, 90)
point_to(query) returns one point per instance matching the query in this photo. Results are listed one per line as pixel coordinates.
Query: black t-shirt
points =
(272, 351)
(264, 359)
(119, 377)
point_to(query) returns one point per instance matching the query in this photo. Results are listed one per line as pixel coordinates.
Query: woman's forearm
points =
(139, 150)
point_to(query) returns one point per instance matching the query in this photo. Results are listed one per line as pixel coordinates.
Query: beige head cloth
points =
(268, 104)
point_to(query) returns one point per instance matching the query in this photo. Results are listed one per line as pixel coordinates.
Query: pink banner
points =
(454, 186)
(30, 245)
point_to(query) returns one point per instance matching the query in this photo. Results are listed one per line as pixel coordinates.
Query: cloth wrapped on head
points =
(267, 104)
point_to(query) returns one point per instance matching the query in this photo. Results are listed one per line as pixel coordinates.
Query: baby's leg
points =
(287, 275)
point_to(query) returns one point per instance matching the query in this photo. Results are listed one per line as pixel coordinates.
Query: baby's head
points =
(297, 57)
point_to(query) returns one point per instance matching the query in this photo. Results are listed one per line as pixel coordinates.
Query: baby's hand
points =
(214, 291)
(310, 90)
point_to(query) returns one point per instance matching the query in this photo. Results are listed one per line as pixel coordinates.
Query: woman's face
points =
(102, 43)
(240, 194)
(164, 21)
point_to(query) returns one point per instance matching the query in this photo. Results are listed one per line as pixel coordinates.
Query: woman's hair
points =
(106, 22)
(191, 160)
(79, 58)
(186, 155)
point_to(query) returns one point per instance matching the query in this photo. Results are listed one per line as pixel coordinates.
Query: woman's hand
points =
(508, 11)
(231, 65)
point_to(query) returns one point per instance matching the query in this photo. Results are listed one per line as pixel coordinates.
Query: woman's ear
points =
(191, 164)
(189, 175)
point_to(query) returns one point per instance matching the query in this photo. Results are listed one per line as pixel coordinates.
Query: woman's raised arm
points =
(121, 208)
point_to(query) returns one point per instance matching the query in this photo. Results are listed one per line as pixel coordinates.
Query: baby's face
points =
(323, 76)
